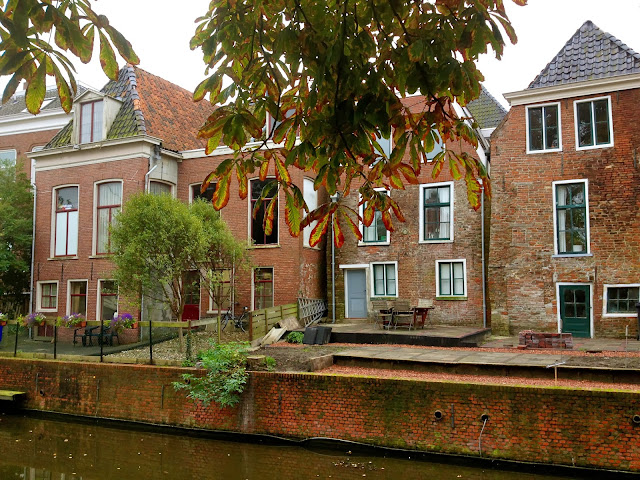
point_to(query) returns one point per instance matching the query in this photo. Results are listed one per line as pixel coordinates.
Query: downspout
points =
(33, 248)
(484, 271)
(146, 189)
(334, 199)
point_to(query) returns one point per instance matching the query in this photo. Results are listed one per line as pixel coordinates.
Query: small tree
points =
(222, 252)
(16, 229)
(156, 244)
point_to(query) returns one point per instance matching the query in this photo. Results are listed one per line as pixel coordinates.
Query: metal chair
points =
(382, 314)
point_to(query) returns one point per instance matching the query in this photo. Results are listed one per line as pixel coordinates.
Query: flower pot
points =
(3, 323)
(135, 325)
(81, 324)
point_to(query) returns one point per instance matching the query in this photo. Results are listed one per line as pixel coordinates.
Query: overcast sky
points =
(160, 31)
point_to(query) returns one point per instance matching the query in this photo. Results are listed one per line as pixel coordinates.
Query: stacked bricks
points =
(558, 426)
(532, 339)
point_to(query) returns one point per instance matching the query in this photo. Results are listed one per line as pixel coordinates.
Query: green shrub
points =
(294, 337)
(225, 377)
(270, 363)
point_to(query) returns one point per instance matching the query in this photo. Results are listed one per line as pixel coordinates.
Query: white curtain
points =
(561, 199)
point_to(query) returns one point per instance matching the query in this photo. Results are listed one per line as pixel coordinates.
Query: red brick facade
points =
(23, 143)
(558, 426)
(415, 258)
(525, 271)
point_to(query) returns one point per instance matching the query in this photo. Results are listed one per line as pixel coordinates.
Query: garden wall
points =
(551, 425)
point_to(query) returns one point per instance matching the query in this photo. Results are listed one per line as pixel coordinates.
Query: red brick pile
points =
(531, 339)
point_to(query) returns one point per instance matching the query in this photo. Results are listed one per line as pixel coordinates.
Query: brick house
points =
(435, 254)
(565, 230)
(21, 132)
(139, 133)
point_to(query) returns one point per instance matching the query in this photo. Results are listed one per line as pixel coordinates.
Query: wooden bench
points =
(11, 395)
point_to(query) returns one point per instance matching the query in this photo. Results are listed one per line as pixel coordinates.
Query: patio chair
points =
(382, 313)
(402, 314)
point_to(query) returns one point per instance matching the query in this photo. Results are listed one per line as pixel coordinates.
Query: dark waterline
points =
(38, 449)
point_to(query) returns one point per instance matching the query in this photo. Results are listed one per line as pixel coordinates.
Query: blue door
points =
(356, 281)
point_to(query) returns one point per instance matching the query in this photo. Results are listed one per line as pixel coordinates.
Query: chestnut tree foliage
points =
(37, 37)
(333, 75)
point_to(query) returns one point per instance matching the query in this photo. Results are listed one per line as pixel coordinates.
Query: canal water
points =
(46, 449)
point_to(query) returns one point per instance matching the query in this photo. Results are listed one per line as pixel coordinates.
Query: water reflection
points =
(37, 449)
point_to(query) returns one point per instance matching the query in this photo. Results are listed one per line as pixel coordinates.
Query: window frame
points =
(556, 248)
(452, 296)
(276, 220)
(605, 300)
(193, 197)
(253, 287)
(54, 222)
(610, 120)
(373, 280)
(363, 243)
(69, 295)
(211, 308)
(15, 154)
(99, 296)
(528, 137)
(39, 286)
(306, 231)
(92, 138)
(97, 208)
(421, 209)
(161, 182)
(430, 156)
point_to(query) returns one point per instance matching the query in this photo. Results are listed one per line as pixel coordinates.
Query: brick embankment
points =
(587, 428)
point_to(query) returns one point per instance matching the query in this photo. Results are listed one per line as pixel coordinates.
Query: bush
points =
(295, 337)
(225, 377)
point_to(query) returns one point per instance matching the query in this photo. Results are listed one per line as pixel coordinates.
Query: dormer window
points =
(91, 119)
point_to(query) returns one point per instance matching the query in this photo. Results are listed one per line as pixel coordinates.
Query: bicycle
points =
(239, 321)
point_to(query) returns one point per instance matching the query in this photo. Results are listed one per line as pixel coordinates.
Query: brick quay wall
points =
(585, 428)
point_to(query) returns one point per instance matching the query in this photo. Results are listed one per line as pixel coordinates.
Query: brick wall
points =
(23, 143)
(417, 261)
(523, 271)
(560, 426)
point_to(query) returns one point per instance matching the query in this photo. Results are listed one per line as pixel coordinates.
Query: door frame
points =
(577, 284)
(355, 266)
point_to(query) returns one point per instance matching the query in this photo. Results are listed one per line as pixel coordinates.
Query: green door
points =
(575, 310)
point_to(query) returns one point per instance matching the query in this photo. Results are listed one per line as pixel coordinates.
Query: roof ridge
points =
(573, 64)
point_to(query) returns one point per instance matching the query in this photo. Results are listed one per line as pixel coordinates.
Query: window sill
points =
(312, 248)
(275, 245)
(47, 310)
(101, 255)
(537, 152)
(571, 255)
(453, 298)
(383, 297)
(436, 241)
(63, 258)
(620, 315)
(594, 147)
(374, 244)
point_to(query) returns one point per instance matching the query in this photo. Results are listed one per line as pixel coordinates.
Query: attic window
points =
(91, 122)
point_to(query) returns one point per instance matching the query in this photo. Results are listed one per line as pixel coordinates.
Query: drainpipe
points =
(484, 273)
(334, 199)
(146, 178)
(33, 247)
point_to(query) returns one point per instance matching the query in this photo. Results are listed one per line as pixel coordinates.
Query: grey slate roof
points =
(588, 55)
(16, 104)
(486, 110)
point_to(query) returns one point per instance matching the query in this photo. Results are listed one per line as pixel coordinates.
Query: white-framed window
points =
(66, 221)
(620, 300)
(386, 144)
(451, 278)
(594, 123)
(224, 277)
(262, 288)
(195, 193)
(310, 195)
(157, 187)
(543, 128)
(384, 279)
(47, 296)
(77, 297)
(258, 234)
(108, 205)
(376, 233)
(571, 217)
(91, 120)
(8, 156)
(438, 145)
(107, 299)
(436, 212)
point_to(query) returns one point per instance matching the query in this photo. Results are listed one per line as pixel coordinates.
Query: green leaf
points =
(292, 214)
(122, 44)
(108, 58)
(36, 89)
